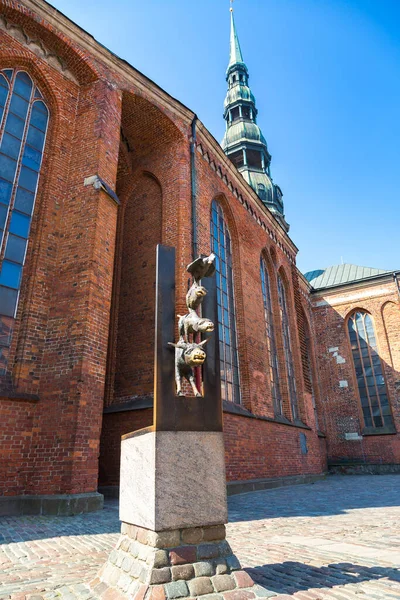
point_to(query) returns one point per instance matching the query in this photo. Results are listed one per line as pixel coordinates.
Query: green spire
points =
(235, 53)
(243, 141)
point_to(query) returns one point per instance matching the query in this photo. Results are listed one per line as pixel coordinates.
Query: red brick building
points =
(357, 339)
(97, 166)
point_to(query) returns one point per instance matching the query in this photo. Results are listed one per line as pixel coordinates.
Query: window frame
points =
(290, 368)
(15, 209)
(231, 306)
(373, 427)
(275, 387)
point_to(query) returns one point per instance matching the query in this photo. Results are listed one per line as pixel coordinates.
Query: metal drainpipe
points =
(397, 282)
(193, 176)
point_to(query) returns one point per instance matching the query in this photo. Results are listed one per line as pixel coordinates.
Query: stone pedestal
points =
(175, 563)
(173, 479)
(173, 511)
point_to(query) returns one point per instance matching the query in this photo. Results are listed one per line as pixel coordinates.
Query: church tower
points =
(243, 141)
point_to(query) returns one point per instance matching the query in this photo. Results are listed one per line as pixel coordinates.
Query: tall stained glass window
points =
(287, 346)
(23, 126)
(221, 246)
(271, 340)
(369, 371)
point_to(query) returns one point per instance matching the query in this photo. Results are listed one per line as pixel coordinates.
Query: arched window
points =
(369, 371)
(221, 246)
(23, 126)
(271, 340)
(287, 346)
(309, 383)
(261, 191)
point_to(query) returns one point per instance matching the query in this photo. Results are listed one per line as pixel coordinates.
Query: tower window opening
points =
(245, 112)
(261, 191)
(254, 159)
(237, 158)
(235, 114)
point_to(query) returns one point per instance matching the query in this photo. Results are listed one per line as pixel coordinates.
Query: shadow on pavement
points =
(290, 577)
(38, 527)
(334, 496)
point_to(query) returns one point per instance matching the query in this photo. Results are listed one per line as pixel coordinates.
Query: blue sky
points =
(326, 76)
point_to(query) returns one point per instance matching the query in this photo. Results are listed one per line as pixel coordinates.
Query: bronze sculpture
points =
(189, 354)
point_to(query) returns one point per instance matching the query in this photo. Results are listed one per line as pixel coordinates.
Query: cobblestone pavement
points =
(336, 539)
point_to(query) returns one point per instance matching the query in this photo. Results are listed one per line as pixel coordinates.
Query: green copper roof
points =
(237, 93)
(340, 275)
(235, 53)
(243, 131)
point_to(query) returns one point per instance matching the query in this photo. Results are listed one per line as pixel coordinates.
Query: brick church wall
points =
(340, 404)
(83, 337)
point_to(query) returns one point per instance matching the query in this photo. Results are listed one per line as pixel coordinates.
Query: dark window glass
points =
(19, 106)
(8, 166)
(8, 301)
(32, 158)
(273, 367)
(15, 249)
(28, 179)
(5, 191)
(24, 201)
(19, 224)
(10, 145)
(39, 116)
(3, 95)
(3, 82)
(19, 171)
(10, 274)
(369, 371)
(8, 73)
(287, 347)
(3, 216)
(23, 85)
(15, 126)
(35, 138)
(221, 246)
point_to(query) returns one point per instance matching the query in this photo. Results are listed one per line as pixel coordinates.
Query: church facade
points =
(98, 165)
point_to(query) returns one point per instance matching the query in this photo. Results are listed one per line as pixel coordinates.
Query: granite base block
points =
(173, 564)
(169, 477)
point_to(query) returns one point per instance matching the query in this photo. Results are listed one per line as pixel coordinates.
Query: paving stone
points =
(221, 568)
(176, 589)
(223, 583)
(200, 586)
(161, 559)
(192, 535)
(157, 593)
(216, 532)
(239, 595)
(127, 563)
(208, 551)
(242, 579)
(158, 576)
(204, 569)
(182, 555)
(182, 572)
(233, 562)
(167, 539)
